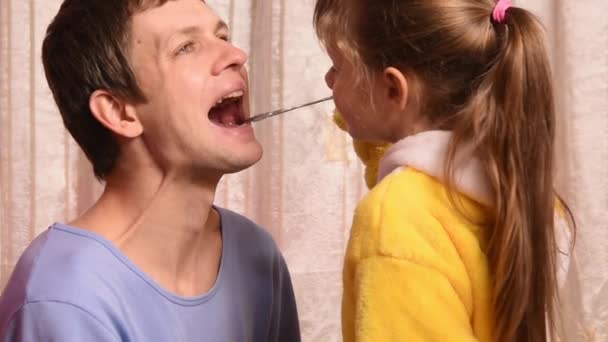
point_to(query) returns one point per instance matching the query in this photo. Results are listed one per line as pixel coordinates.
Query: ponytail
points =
(512, 114)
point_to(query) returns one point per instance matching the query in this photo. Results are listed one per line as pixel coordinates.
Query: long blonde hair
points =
(490, 84)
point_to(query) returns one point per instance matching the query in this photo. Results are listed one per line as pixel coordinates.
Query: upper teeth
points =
(230, 96)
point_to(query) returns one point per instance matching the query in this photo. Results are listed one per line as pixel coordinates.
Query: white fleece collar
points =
(427, 152)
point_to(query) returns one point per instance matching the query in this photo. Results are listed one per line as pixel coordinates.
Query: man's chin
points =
(240, 162)
(243, 164)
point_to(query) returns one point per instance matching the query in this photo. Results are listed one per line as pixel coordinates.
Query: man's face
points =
(185, 65)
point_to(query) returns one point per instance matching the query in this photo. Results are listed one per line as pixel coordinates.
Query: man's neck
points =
(165, 225)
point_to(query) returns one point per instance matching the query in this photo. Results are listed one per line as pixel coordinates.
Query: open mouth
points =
(228, 111)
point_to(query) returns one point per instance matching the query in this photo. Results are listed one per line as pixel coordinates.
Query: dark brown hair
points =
(86, 49)
(490, 84)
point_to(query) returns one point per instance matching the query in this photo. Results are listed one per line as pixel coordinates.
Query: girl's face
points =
(353, 99)
(382, 109)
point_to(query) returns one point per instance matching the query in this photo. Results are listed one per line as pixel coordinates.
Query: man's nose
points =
(230, 57)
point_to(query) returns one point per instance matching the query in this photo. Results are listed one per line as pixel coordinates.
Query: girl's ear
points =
(396, 89)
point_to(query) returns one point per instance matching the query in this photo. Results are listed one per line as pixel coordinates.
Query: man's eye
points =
(186, 48)
(224, 38)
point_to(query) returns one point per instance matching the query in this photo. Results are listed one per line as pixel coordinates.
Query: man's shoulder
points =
(56, 267)
(245, 230)
(15, 293)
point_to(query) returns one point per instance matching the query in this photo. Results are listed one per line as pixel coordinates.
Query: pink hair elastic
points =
(500, 11)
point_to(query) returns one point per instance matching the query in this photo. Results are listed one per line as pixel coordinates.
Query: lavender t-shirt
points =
(73, 285)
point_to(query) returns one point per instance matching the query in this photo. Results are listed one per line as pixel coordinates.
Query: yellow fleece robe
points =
(415, 270)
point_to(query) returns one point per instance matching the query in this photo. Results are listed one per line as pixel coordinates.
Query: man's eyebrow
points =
(187, 30)
(195, 29)
(221, 25)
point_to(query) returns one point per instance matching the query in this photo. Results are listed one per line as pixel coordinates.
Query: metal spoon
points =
(260, 117)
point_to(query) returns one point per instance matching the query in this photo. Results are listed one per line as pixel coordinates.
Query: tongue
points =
(227, 115)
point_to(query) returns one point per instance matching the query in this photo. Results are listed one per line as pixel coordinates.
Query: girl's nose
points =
(330, 78)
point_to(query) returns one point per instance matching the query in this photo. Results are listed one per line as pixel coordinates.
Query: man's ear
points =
(396, 89)
(115, 114)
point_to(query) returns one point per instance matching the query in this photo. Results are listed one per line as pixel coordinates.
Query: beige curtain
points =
(306, 187)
